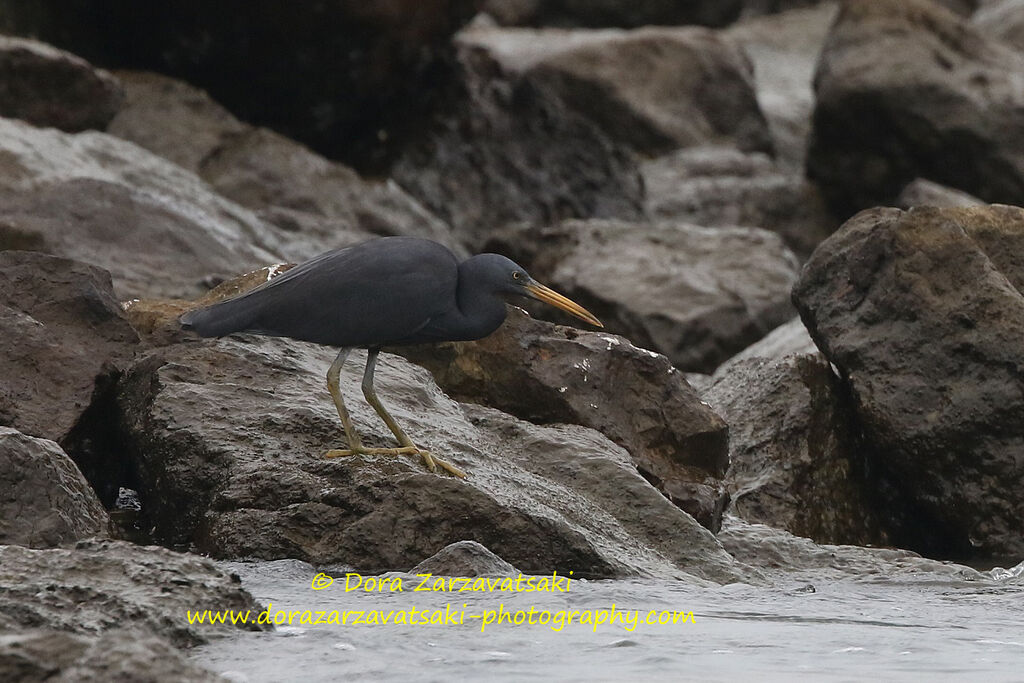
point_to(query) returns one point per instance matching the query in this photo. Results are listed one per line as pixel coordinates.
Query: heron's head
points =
(504, 276)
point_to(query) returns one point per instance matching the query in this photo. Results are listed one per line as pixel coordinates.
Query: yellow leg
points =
(407, 447)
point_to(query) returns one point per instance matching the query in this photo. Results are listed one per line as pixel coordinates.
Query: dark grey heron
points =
(389, 291)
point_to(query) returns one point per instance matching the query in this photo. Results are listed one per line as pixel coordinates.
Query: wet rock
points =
(549, 374)
(790, 339)
(624, 13)
(922, 313)
(697, 88)
(49, 87)
(465, 558)
(796, 461)
(921, 192)
(1004, 20)
(767, 548)
(322, 204)
(173, 119)
(63, 332)
(99, 586)
(262, 170)
(45, 655)
(157, 319)
(697, 295)
(45, 501)
(784, 50)
(227, 439)
(92, 197)
(903, 87)
(354, 80)
(508, 150)
(719, 186)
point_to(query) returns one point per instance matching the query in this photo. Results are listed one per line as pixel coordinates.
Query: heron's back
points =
(373, 293)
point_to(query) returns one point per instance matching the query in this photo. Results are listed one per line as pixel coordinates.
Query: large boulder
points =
(548, 374)
(907, 89)
(92, 197)
(129, 654)
(321, 204)
(329, 202)
(721, 186)
(697, 295)
(922, 313)
(227, 439)
(64, 333)
(49, 87)
(795, 459)
(697, 88)
(45, 500)
(173, 119)
(786, 556)
(99, 586)
(352, 79)
(508, 150)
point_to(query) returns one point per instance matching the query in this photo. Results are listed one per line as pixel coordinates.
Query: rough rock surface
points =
(266, 172)
(49, 87)
(98, 586)
(907, 89)
(92, 197)
(921, 192)
(548, 374)
(49, 656)
(767, 549)
(789, 339)
(508, 150)
(719, 186)
(227, 439)
(922, 313)
(697, 295)
(173, 119)
(624, 13)
(321, 204)
(1003, 19)
(44, 500)
(697, 87)
(795, 462)
(465, 558)
(63, 332)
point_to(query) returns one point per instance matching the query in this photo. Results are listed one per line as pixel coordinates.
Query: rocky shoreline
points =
(796, 219)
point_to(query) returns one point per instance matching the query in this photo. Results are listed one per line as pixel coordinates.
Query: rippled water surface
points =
(889, 629)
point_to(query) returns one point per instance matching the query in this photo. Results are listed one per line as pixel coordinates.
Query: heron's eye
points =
(515, 274)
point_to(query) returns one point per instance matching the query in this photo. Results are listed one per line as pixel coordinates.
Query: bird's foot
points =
(429, 460)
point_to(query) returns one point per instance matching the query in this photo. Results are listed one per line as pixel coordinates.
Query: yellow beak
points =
(550, 296)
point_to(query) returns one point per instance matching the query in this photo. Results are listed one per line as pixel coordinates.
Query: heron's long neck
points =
(482, 310)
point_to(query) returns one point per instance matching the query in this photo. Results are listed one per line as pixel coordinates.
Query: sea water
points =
(900, 628)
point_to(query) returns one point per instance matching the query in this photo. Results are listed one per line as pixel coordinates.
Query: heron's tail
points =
(219, 319)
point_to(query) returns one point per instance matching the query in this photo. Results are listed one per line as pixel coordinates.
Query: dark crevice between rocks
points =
(177, 479)
(96, 445)
(903, 522)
